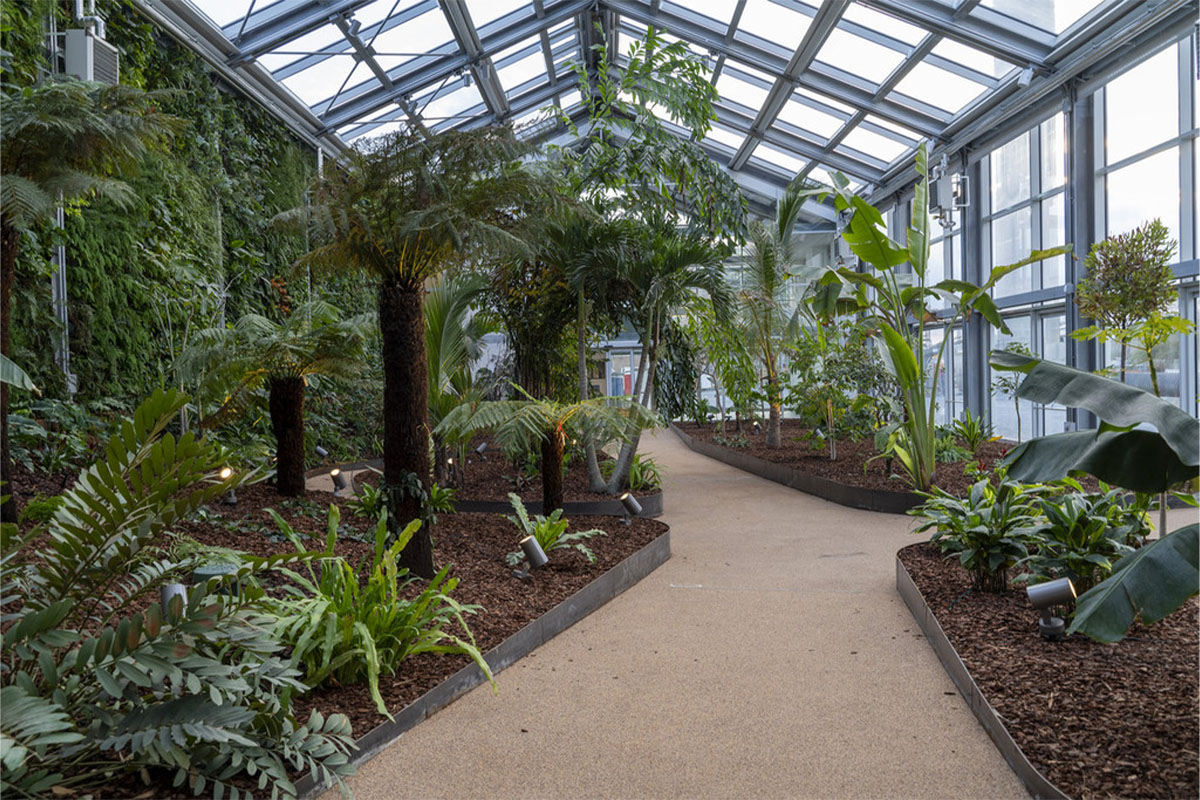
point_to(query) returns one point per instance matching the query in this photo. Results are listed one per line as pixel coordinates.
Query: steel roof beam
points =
(995, 34)
(423, 71)
(819, 78)
(463, 28)
(368, 33)
(283, 22)
(823, 24)
(782, 136)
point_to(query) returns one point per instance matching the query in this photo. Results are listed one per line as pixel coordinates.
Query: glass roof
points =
(806, 86)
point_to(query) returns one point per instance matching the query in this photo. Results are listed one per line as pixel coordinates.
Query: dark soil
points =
(474, 544)
(1098, 720)
(852, 466)
(494, 476)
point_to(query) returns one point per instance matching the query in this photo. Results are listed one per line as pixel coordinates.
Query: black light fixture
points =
(339, 480)
(632, 507)
(757, 427)
(321, 452)
(534, 553)
(1044, 597)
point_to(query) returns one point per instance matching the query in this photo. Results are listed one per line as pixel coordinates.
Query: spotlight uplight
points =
(534, 553)
(226, 473)
(632, 506)
(321, 452)
(1044, 597)
(339, 480)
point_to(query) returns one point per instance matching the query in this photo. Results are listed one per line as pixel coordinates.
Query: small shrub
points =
(973, 431)
(550, 532)
(1083, 534)
(41, 509)
(441, 499)
(989, 530)
(367, 500)
(737, 440)
(344, 632)
(644, 474)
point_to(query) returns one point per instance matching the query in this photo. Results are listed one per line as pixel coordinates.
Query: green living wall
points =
(197, 247)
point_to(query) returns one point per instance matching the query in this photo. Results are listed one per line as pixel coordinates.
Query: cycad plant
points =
(763, 299)
(520, 425)
(403, 208)
(64, 141)
(312, 339)
(97, 682)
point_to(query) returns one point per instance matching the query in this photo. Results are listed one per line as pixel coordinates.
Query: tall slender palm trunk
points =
(645, 389)
(285, 400)
(9, 239)
(595, 479)
(552, 471)
(405, 416)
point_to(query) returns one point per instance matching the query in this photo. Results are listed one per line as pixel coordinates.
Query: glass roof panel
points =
(224, 12)
(717, 10)
(726, 137)
(570, 98)
(417, 36)
(1049, 15)
(521, 62)
(912, 136)
(322, 81)
(825, 100)
(821, 174)
(858, 56)
(777, 157)
(874, 144)
(379, 10)
(810, 119)
(939, 87)
(884, 23)
(740, 91)
(775, 23)
(485, 11)
(975, 59)
(449, 103)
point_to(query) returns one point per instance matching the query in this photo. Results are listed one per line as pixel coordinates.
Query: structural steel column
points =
(976, 341)
(1080, 202)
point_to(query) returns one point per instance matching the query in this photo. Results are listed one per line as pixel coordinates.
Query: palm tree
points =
(762, 301)
(402, 209)
(64, 140)
(311, 340)
(674, 269)
(453, 340)
(518, 425)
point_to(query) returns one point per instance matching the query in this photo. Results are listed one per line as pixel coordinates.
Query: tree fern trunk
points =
(9, 239)
(286, 404)
(774, 417)
(405, 416)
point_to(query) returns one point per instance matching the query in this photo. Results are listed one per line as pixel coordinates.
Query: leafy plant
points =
(1083, 534)
(1006, 383)
(1159, 577)
(367, 500)
(40, 509)
(93, 688)
(736, 440)
(345, 632)
(973, 431)
(643, 473)
(989, 530)
(899, 297)
(441, 499)
(550, 532)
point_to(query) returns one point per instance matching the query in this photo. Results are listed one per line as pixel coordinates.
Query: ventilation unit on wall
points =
(91, 58)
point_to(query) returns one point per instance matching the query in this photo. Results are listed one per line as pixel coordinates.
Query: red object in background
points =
(628, 384)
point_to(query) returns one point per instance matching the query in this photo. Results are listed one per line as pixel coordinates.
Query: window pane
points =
(939, 87)
(810, 119)
(1053, 157)
(1144, 190)
(935, 269)
(1141, 107)
(1054, 348)
(1010, 243)
(970, 57)
(1054, 233)
(1010, 174)
(874, 144)
(1054, 16)
(774, 23)
(858, 56)
(885, 24)
(740, 91)
(1004, 410)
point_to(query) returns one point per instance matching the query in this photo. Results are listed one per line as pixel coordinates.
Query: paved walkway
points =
(770, 657)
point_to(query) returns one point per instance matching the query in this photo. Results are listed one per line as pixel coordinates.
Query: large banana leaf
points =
(11, 374)
(1149, 583)
(1142, 460)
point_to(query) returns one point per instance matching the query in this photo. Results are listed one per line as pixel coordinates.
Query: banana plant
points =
(899, 307)
(1159, 577)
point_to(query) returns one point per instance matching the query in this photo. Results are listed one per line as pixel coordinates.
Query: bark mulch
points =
(1098, 720)
(493, 477)
(852, 466)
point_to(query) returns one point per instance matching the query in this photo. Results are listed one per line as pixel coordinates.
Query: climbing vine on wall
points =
(196, 248)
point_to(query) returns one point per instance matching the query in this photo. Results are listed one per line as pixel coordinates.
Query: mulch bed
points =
(852, 466)
(475, 544)
(493, 477)
(1098, 720)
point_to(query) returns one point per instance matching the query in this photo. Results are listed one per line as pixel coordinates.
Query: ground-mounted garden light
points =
(230, 498)
(1044, 597)
(339, 480)
(479, 451)
(534, 553)
(632, 507)
(226, 473)
(756, 427)
(321, 452)
(169, 591)
(218, 569)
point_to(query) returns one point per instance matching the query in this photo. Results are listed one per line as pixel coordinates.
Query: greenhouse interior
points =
(599, 398)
